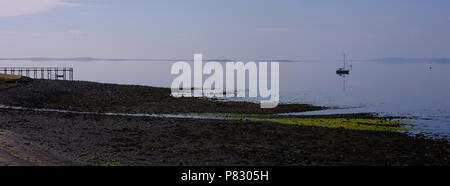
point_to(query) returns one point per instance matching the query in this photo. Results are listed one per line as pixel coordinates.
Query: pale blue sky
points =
(232, 29)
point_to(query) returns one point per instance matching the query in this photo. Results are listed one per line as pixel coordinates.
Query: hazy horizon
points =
(244, 30)
(89, 59)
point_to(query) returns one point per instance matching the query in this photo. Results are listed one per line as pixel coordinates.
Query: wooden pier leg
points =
(64, 73)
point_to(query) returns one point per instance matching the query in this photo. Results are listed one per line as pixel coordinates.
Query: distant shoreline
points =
(90, 59)
(87, 59)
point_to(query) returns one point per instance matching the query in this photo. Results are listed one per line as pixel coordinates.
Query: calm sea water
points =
(396, 89)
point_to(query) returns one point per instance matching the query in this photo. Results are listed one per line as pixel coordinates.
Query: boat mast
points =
(344, 60)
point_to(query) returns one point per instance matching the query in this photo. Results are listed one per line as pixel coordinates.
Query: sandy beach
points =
(32, 137)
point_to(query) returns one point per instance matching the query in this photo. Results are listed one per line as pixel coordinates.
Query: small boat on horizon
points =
(343, 70)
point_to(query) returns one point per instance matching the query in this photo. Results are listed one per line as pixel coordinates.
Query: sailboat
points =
(343, 70)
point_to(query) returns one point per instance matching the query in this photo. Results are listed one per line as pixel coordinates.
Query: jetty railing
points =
(52, 73)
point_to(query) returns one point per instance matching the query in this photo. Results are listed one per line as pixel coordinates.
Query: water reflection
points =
(344, 80)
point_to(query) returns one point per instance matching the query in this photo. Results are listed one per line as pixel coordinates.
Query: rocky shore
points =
(97, 97)
(51, 138)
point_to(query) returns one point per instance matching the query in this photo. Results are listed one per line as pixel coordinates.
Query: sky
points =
(225, 29)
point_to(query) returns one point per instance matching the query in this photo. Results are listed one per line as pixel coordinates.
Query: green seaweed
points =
(346, 123)
(352, 124)
(111, 164)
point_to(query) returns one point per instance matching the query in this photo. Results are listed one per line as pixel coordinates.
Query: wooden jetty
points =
(53, 73)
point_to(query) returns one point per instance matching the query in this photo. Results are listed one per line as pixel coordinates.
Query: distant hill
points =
(74, 59)
(413, 60)
(88, 59)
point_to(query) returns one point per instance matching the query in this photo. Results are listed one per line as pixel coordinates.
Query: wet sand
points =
(89, 139)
